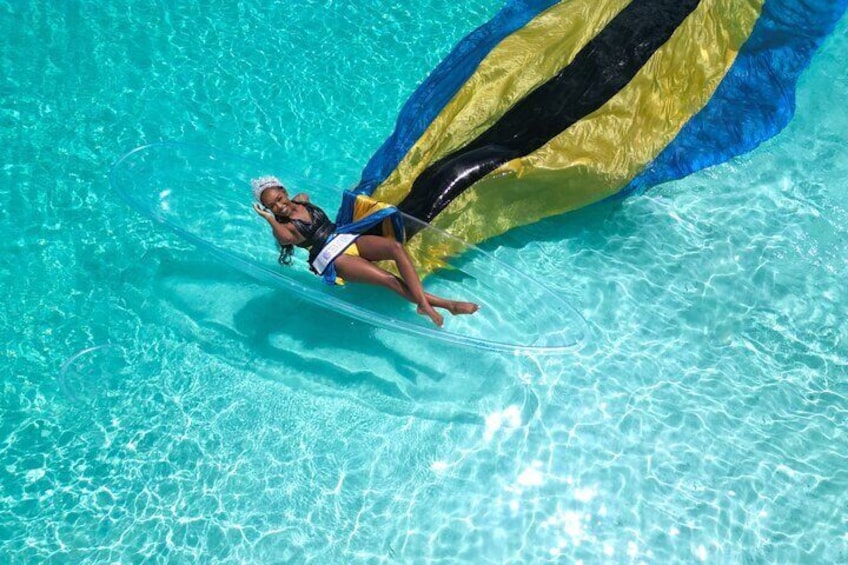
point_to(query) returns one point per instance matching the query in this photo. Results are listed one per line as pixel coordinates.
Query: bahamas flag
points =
(552, 106)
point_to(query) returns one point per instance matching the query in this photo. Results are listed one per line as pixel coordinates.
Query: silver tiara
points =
(262, 184)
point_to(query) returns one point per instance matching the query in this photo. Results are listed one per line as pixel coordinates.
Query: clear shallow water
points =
(705, 420)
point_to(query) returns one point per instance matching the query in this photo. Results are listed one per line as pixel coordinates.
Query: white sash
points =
(335, 247)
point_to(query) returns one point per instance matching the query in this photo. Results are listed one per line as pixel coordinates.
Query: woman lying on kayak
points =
(298, 222)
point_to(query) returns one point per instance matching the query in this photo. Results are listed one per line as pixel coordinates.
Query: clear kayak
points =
(203, 195)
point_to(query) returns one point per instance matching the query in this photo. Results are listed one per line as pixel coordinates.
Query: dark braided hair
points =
(286, 253)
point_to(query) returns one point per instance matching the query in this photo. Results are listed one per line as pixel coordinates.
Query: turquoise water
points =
(227, 422)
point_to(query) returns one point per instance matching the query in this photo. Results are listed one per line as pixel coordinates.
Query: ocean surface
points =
(156, 406)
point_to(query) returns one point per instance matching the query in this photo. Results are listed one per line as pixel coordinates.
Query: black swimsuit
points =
(315, 233)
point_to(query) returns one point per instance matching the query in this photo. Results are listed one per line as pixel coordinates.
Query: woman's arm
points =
(302, 197)
(284, 234)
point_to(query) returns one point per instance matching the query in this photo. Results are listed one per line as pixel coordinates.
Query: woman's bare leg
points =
(359, 269)
(354, 271)
(377, 248)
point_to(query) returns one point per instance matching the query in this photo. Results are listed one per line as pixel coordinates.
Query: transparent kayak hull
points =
(203, 195)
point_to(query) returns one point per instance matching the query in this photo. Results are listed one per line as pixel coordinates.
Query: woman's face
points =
(277, 201)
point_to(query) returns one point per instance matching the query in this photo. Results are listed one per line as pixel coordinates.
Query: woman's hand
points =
(265, 213)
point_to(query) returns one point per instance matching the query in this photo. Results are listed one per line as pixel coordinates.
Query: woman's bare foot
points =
(457, 307)
(432, 314)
